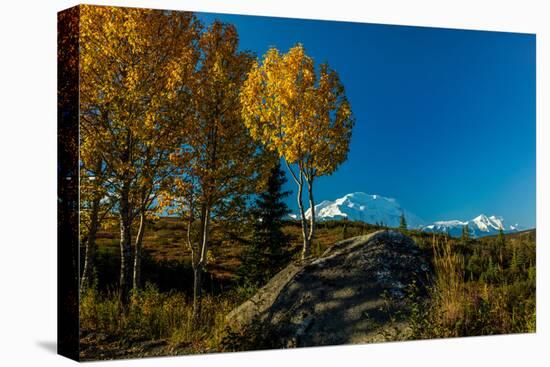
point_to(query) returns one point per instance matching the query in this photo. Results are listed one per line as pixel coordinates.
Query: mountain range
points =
(479, 226)
(377, 209)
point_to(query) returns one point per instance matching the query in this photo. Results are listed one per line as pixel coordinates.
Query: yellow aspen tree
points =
(95, 202)
(218, 163)
(134, 66)
(303, 115)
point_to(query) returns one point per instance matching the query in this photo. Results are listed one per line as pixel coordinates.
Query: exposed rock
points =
(342, 297)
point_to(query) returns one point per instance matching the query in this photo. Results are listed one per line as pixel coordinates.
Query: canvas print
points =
(235, 183)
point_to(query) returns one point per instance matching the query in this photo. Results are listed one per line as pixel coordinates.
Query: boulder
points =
(350, 294)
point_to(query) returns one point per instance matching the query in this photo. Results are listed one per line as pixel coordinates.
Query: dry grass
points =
(457, 307)
(157, 315)
(449, 292)
(458, 304)
(164, 240)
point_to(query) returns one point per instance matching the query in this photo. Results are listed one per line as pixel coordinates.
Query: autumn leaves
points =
(136, 72)
(176, 119)
(302, 116)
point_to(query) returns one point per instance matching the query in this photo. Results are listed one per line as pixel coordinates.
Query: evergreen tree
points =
(501, 244)
(514, 263)
(402, 221)
(345, 229)
(521, 256)
(265, 254)
(501, 239)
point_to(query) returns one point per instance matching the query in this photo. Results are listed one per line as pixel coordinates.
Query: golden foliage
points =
(136, 67)
(218, 158)
(302, 115)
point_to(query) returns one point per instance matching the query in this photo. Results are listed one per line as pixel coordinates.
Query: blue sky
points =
(445, 119)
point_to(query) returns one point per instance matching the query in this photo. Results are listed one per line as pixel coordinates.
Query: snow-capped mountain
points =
(359, 206)
(376, 209)
(480, 226)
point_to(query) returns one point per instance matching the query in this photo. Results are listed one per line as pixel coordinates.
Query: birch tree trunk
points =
(137, 254)
(312, 209)
(306, 247)
(299, 179)
(89, 257)
(199, 267)
(197, 291)
(91, 247)
(125, 246)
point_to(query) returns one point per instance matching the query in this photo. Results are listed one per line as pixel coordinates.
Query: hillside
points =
(475, 288)
(164, 246)
(166, 252)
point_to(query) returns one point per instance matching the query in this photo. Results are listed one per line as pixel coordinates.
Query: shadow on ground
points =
(50, 346)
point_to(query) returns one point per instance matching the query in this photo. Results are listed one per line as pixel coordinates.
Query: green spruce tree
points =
(345, 228)
(265, 253)
(501, 246)
(501, 239)
(402, 221)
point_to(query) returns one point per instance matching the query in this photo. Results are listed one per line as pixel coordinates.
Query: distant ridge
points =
(479, 226)
(377, 209)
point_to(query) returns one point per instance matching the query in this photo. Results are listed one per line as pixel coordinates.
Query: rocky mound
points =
(342, 297)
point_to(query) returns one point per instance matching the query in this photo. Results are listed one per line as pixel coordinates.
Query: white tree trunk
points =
(125, 246)
(91, 247)
(199, 266)
(197, 291)
(137, 253)
(312, 209)
(306, 247)
(89, 257)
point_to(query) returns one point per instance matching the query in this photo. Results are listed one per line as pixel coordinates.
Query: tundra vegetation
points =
(182, 204)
